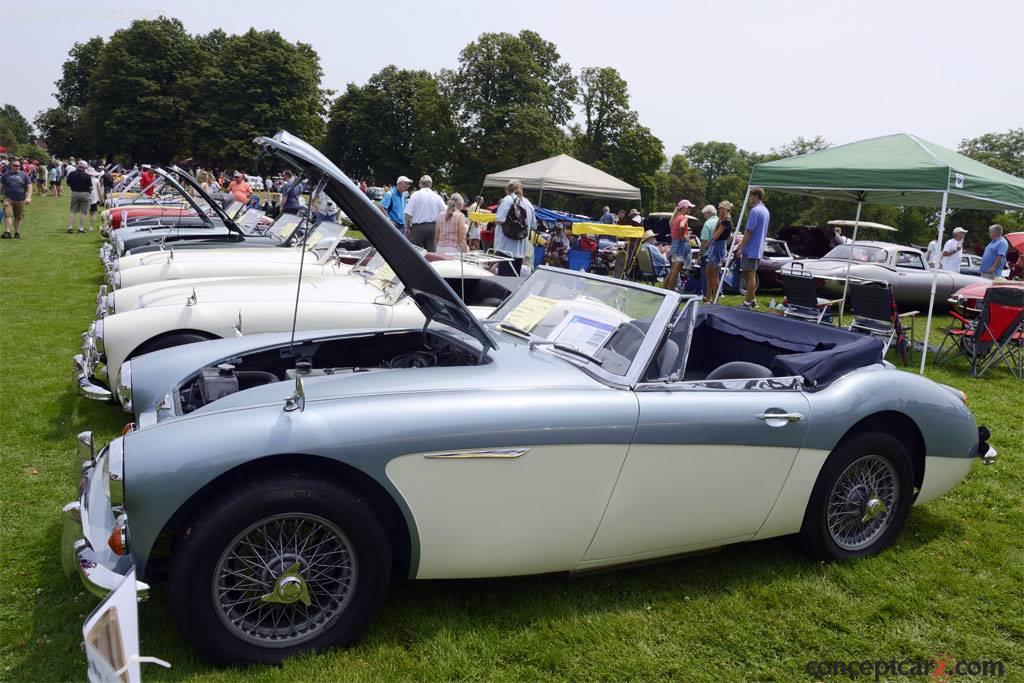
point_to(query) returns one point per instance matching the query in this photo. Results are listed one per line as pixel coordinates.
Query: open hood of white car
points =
(434, 297)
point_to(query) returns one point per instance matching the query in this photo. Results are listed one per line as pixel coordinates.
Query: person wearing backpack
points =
(515, 220)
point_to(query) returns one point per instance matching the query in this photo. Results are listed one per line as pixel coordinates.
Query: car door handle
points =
(788, 417)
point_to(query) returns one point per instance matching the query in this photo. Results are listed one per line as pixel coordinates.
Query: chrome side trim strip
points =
(489, 453)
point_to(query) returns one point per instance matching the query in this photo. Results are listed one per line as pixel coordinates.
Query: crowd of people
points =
(88, 182)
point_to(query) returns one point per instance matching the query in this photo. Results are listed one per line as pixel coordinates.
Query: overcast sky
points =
(754, 73)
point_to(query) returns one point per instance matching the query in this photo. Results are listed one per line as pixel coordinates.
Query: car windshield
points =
(378, 273)
(598, 321)
(775, 248)
(858, 252)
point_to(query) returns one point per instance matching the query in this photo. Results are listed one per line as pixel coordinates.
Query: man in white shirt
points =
(421, 214)
(953, 250)
(503, 243)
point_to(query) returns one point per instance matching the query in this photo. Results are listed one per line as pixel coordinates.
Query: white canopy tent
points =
(564, 174)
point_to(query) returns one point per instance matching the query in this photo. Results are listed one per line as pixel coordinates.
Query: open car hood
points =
(432, 295)
(170, 179)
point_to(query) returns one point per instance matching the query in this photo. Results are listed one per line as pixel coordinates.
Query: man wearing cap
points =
(421, 212)
(658, 259)
(953, 250)
(80, 183)
(17, 192)
(994, 257)
(239, 188)
(394, 200)
(606, 216)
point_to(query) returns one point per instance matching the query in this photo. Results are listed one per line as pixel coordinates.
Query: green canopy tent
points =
(896, 169)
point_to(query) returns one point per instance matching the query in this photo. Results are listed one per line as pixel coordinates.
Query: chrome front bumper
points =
(88, 369)
(84, 520)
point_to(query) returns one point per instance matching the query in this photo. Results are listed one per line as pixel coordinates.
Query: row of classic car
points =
(283, 480)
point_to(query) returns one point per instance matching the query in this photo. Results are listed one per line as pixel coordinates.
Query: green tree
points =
(252, 84)
(635, 156)
(1004, 151)
(604, 97)
(513, 95)
(682, 181)
(716, 159)
(399, 123)
(141, 104)
(14, 129)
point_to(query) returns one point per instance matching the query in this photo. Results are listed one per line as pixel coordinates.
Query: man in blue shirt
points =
(290, 193)
(393, 202)
(606, 216)
(752, 247)
(994, 258)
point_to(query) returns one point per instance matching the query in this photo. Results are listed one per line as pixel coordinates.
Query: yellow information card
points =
(528, 314)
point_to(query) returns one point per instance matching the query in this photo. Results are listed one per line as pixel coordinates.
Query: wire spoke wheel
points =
(862, 502)
(284, 580)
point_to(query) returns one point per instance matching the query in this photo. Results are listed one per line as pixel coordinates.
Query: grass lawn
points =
(952, 586)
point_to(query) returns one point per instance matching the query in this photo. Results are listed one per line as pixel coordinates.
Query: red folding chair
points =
(994, 337)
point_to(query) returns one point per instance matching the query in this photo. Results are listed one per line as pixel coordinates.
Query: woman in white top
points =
(450, 228)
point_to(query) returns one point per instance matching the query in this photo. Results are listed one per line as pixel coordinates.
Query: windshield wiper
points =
(512, 329)
(559, 346)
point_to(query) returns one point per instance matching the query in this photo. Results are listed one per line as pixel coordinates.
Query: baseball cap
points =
(685, 204)
(403, 179)
(426, 180)
(83, 164)
(959, 230)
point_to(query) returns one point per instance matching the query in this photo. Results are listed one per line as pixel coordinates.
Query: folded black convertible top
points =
(818, 353)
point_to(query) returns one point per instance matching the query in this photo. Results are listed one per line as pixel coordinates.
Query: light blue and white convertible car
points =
(588, 423)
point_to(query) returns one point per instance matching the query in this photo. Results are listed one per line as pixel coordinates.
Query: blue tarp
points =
(549, 216)
(818, 353)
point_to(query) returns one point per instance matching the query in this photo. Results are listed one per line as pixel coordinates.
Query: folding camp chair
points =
(995, 336)
(802, 299)
(874, 312)
(645, 266)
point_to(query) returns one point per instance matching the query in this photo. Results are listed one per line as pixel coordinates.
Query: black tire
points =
(169, 341)
(872, 450)
(198, 553)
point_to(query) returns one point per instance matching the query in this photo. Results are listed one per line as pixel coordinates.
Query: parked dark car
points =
(807, 241)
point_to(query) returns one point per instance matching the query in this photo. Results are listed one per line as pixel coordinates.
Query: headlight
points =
(124, 386)
(98, 336)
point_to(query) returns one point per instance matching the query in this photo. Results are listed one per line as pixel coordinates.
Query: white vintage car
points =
(369, 295)
(170, 264)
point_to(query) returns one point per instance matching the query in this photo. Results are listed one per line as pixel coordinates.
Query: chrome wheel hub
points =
(284, 580)
(861, 502)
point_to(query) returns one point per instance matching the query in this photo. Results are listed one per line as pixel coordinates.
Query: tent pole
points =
(728, 248)
(935, 279)
(849, 261)
(540, 199)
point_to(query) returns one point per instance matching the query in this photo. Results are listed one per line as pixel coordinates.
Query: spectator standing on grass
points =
(450, 228)
(679, 229)
(952, 250)
(514, 220)
(80, 183)
(716, 251)
(240, 188)
(421, 214)
(40, 177)
(17, 192)
(95, 195)
(290, 193)
(933, 255)
(473, 237)
(394, 200)
(994, 257)
(751, 248)
(54, 175)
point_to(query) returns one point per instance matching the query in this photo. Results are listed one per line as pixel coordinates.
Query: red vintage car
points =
(968, 299)
(154, 211)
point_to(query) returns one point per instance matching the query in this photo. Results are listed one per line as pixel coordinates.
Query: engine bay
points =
(372, 352)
